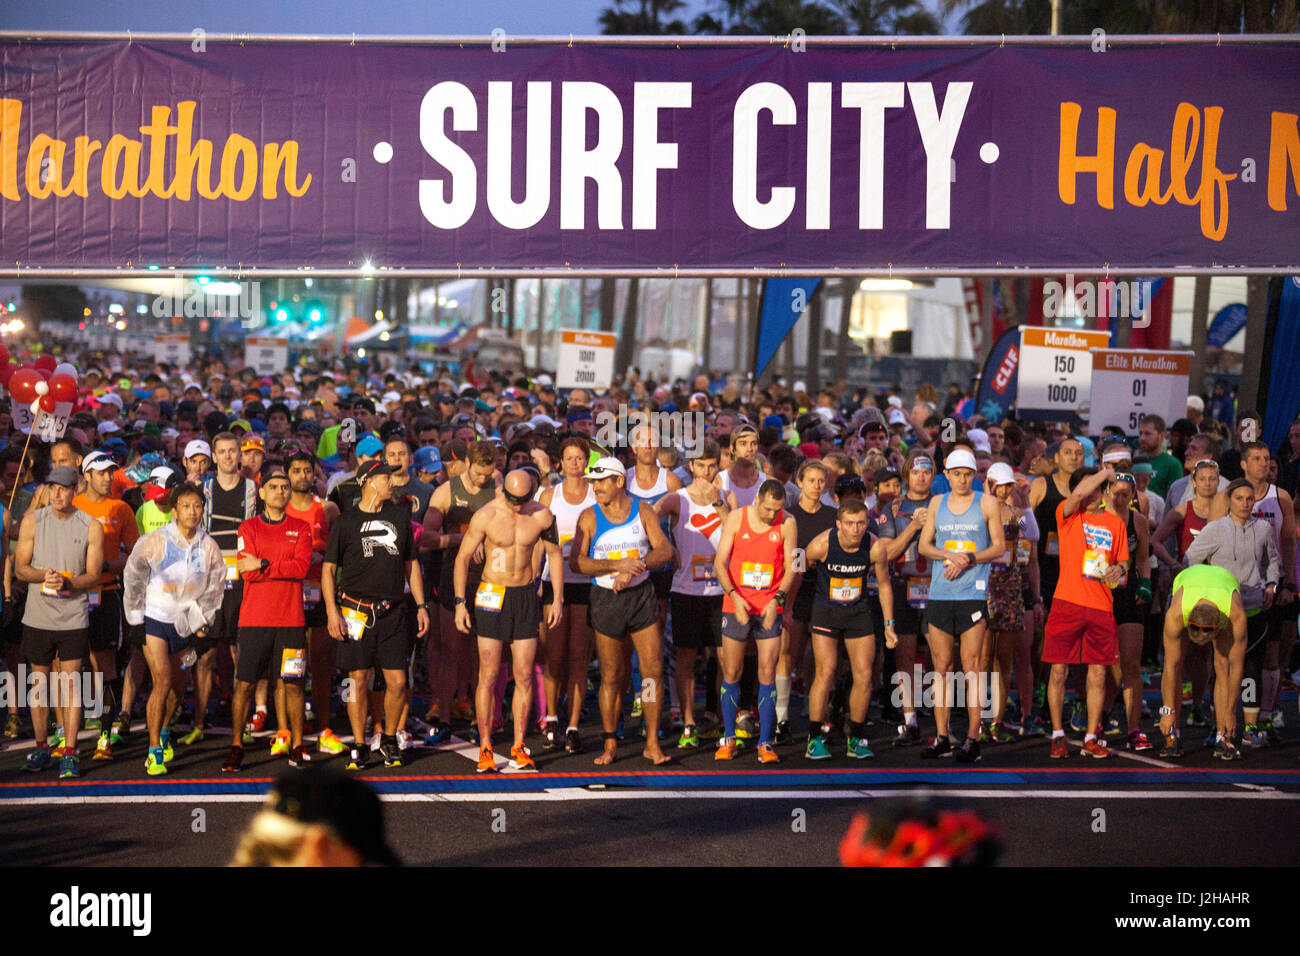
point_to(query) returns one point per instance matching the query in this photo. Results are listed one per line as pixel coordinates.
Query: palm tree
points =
(770, 18)
(889, 18)
(642, 18)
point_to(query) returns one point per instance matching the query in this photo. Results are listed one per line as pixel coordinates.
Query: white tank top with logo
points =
(698, 529)
(744, 496)
(613, 542)
(1269, 510)
(566, 521)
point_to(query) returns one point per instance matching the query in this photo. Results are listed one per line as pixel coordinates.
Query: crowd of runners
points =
(374, 559)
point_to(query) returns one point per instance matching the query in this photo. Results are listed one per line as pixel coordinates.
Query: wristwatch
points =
(427, 605)
(1166, 711)
(780, 597)
(265, 564)
(457, 601)
(889, 623)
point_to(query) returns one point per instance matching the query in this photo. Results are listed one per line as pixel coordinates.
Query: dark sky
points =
(398, 17)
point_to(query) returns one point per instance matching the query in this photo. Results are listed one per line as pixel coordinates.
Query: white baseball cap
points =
(895, 401)
(605, 468)
(161, 475)
(960, 458)
(1196, 402)
(980, 439)
(544, 379)
(896, 417)
(391, 398)
(198, 447)
(108, 427)
(1000, 473)
(97, 461)
(110, 398)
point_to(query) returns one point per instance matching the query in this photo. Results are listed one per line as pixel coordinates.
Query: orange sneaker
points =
(1093, 749)
(487, 761)
(726, 749)
(1060, 748)
(521, 759)
(767, 755)
(460, 710)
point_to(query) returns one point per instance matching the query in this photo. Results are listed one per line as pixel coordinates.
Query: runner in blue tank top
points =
(962, 534)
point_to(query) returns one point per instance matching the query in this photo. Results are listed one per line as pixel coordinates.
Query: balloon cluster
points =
(42, 383)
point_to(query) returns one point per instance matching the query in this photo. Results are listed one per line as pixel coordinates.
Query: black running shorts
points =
(617, 614)
(697, 620)
(40, 646)
(386, 642)
(271, 652)
(506, 613)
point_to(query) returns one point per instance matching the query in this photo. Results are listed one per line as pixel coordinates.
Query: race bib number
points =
(845, 590)
(1023, 548)
(355, 621)
(702, 569)
(756, 576)
(918, 592)
(293, 663)
(489, 596)
(566, 544)
(93, 598)
(1053, 544)
(311, 594)
(232, 572)
(1094, 564)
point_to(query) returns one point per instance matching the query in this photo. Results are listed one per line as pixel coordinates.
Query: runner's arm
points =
(1172, 519)
(879, 558)
(725, 541)
(1288, 538)
(925, 543)
(23, 553)
(135, 579)
(789, 538)
(469, 543)
(997, 539)
(328, 572)
(1085, 488)
(661, 550)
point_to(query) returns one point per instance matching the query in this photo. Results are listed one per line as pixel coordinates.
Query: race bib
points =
(1023, 548)
(918, 592)
(93, 598)
(311, 594)
(755, 575)
(355, 621)
(232, 572)
(1053, 544)
(566, 542)
(294, 662)
(489, 596)
(702, 569)
(1094, 564)
(845, 590)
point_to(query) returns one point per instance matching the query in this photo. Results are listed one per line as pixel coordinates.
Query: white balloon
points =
(42, 388)
(66, 368)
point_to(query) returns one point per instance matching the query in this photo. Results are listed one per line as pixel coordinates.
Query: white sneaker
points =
(403, 740)
(1278, 722)
(375, 741)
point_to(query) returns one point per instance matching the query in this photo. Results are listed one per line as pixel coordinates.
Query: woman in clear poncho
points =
(173, 584)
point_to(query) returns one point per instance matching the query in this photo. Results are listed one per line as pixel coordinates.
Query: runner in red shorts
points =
(1081, 626)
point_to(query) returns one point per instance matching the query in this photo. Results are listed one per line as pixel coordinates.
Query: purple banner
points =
(607, 156)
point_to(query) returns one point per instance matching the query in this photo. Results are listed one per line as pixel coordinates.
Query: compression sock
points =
(782, 698)
(858, 728)
(766, 712)
(730, 703)
(539, 691)
(711, 685)
(1271, 680)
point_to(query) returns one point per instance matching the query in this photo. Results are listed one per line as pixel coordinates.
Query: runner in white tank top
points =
(744, 452)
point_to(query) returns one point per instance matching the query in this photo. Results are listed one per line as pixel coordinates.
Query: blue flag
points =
(784, 301)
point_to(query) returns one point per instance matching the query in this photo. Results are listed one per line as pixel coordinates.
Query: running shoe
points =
(375, 740)
(1094, 748)
(487, 761)
(403, 740)
(193, 737)
(155, 764)
(1253, 737)
(1078, 720)
(859, 749)
(38, 759)
(91, 723)
(460, 710)
(689, 738)
(817, 749)
(103, 749)
(1032, 726)
(783, 734)
(1113, 728)
(1266, 725)
(234, 761)
(1225, 749)
(69, 767)
(1139, 741)
(746, 725)
(258, 722)
(282, 744)
(938, 747)
(300, 756)
(1196, 718)
(1279, 722)
(675, 721)
(726, 749)
(439, 733)
(908, 734)
(1060, 748)
(550, 734)
(1173, 746)
(766, 754)
(329, 743)
(1146, 710)
(1187, 691)
(392, 753)
(999, 734)
(55, 740)
(636, 706)
(968, 752)
(359, 758)
(572, 742)
(521, 758)
(165, 738)
(417, 726)
(13, 727)
(121, 729)
(983, 735)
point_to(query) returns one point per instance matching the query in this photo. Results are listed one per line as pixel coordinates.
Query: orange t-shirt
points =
(120, 483)
(118, 521)
(1090, 543)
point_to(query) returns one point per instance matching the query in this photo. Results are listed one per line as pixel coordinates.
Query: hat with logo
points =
(198, 447)
(605, 468)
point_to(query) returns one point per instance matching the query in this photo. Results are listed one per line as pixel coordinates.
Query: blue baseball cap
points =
(428, 459)
(774, 421)
(370, 446)
(667, 407)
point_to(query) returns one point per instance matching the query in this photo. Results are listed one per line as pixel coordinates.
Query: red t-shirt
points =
(320, 531)
(757, 563)
(273, 598)
(1090, 543)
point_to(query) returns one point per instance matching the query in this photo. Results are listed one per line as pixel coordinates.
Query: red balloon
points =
(47, 403)
(47, 363)
(4, 355)
(29, 364)
(63, 388)
(7, 372)
(22, 386)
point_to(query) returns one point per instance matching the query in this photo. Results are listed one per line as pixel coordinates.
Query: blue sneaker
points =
(439, 733)
(38, 759)
(69, 767)
(1078, 719)
(817, 749)
(858, 749)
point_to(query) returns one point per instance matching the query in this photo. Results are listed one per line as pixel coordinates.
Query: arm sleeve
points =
(1030, 525)
(135, 578)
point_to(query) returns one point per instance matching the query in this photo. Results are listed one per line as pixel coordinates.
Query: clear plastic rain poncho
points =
(175, 581)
